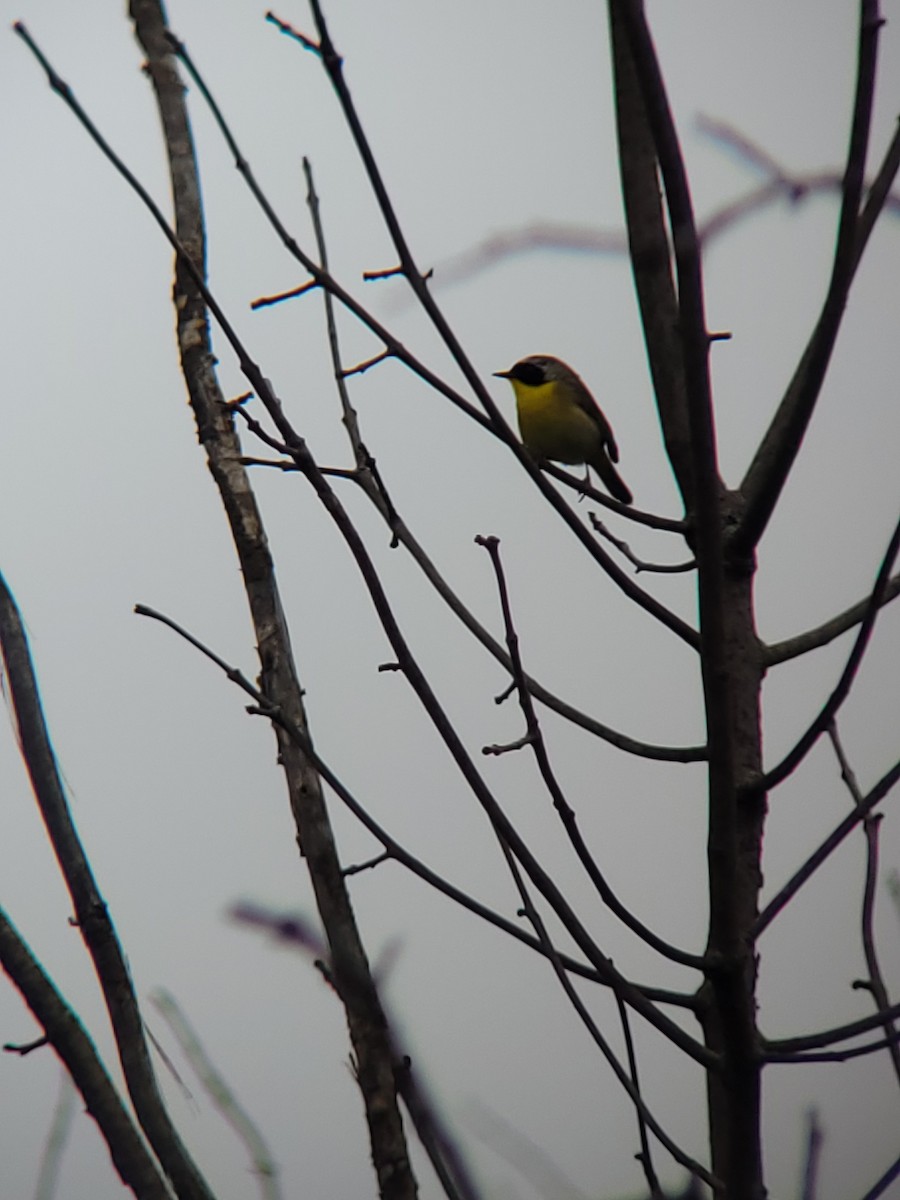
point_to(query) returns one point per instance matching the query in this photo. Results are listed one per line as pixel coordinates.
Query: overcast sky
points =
(485, 117)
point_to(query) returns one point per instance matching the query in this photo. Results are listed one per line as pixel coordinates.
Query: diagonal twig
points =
(535, 739)
(825, 850)
(841, 690)
(91, 912)
(813, 639)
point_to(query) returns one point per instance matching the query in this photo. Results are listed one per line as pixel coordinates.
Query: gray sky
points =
(484, 117)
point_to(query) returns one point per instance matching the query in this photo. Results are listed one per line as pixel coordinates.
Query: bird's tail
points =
(612, 481)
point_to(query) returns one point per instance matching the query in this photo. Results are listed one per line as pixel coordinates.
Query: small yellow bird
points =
(559, 419)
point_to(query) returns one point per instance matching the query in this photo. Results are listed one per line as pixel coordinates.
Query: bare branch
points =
(333, 64)
(65, 1033)
(827, 1037)
(842, 688)
(879, 1188)
(871, 822)
(569, 238)
(823, 634)
(286, 28)
(775, 457)
(535, 739)
(629, 1085)
(830, 1056)
(193, 303)
(441, 1148)
(92, 914)
(640, 564)
(650, 253)
(366, 478)
(605, 971)
(825, 850)
(645, 1157)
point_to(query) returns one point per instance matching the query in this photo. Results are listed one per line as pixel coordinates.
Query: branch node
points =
(519, 744)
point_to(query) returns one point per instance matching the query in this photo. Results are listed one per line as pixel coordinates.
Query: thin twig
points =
(640, 564)
(535, 739)
(590, 1025)
(813, 639)
(829, 1056)
(879, 1188)
(780, 900)
(604, 970)
(841, 690)
(588, 240)
(871, 823)
(772, 463)
(827, 1037)
(333, 64)
(441, 1147)
(366, 477)
(645, 1157)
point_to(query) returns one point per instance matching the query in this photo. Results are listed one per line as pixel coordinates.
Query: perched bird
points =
(559, 419)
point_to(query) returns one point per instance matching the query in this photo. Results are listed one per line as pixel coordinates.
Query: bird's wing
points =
(589, 405)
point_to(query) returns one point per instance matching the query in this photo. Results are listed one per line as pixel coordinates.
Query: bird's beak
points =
(503, 374)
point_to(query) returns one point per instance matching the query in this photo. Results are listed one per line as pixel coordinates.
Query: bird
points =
(560, 420)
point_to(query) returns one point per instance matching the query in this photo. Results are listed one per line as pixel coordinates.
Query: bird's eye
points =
(528, 373)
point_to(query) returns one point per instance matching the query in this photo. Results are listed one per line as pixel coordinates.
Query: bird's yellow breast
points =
(552, 425)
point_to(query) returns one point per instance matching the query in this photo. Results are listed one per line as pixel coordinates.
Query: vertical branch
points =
(650, 255)
(731, 666)
(352, 975)
(644, 1157)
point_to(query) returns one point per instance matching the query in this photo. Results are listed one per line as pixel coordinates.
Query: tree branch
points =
(628, 1084)
(333, 64)
(775, 457)
(825, 850)
(842, 688)
(535, 739)
(65, 1033)
(650, 255)
(92, 915)
(875, 984)
(827, 1037)
(605, 971)
(352, 978)
(813, 639)
(366, 477)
